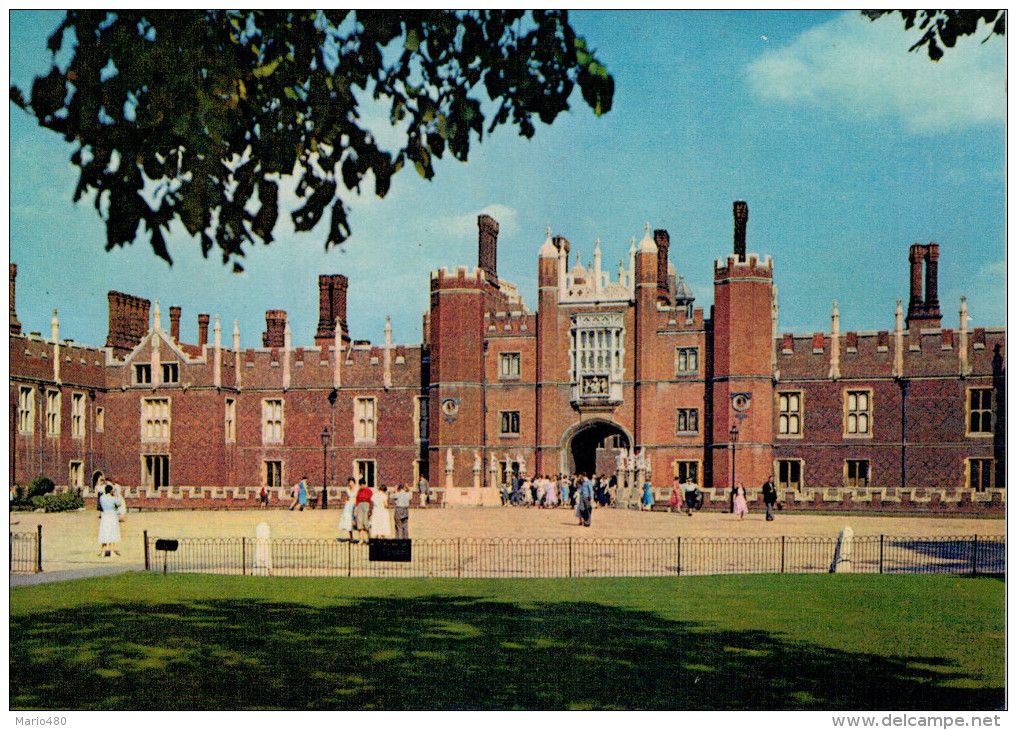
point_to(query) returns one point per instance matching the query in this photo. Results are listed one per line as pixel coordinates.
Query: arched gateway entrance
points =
(592, 447)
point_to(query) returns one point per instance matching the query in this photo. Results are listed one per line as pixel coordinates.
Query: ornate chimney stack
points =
(128, 322)
(202, 330)
(15, 324)
(275, 328)
(488, 247)
(931, 284)
(175, 323)
(331, 307)
(915, 304)
(663, 242)
(924, 312)
(741, 219)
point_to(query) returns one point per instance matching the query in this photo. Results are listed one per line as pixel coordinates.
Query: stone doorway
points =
(592, 448)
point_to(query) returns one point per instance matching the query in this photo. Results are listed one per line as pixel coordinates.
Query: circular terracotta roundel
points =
(740, 402)
(449, 407)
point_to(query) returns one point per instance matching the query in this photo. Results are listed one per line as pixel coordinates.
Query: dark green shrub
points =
(39, 487)
(59, 502)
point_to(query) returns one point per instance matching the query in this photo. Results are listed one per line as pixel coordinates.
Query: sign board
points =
(396, 551)
(168, 545)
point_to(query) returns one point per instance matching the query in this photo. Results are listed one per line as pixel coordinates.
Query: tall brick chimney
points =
(128, 322)
(924, 312)
(488, 247)
(663, 242)
(202, 330)
(15, 324)
(275, 326)
(931, 276)
(331, 306)
(741, 218)
(915, 256)
(175, 323)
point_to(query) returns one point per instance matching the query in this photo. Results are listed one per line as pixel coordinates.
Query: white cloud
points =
(862, 69)
(465, 226)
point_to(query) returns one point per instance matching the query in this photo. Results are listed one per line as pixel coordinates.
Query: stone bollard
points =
(262, 550)
(842, 555)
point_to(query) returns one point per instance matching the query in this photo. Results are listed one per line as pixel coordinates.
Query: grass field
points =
(144, 641)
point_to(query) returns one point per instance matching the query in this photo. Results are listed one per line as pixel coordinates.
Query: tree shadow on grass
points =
(439, 652)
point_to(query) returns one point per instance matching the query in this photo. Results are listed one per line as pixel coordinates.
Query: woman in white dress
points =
(346, 519)
(109, 523)
(381, 518)
(118, 495)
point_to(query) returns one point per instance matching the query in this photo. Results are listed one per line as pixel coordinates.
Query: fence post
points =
(459, 557)
(145, 537)
(881, 554)
(783, 538)
(570, 557)
(679, 555)
(349, 558)
(38, 552)
(974, 556)
(243, 556)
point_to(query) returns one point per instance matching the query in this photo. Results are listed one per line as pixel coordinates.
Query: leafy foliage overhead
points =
(196, 115)
(943, 27)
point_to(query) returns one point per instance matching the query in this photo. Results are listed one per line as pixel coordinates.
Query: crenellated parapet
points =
(752, 267)
(461, 277)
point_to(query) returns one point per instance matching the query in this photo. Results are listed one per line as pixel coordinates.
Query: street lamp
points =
(734, 440)
(326, 437)
(333, 396)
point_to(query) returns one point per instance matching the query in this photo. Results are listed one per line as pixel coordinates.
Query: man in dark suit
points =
(769, 497)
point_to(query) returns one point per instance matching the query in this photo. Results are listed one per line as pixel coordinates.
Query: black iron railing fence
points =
(576, 558)
(26, 551)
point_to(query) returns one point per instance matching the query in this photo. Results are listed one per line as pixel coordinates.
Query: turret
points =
(742, 382)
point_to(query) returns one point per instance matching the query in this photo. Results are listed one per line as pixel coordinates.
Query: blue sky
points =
(847, 149)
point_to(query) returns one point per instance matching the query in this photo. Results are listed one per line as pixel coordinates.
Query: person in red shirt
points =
(363, 510)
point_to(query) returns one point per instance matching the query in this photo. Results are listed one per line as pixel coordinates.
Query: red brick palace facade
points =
(613, 372)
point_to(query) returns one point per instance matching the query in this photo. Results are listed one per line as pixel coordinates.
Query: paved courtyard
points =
(69, 539)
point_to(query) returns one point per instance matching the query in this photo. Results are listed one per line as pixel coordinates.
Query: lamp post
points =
(734, 441)
(326, 437)
(332, 397)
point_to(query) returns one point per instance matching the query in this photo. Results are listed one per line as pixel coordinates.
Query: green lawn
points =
(145, 641)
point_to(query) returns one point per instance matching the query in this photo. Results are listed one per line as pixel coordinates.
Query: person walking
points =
(381, 518)
(585, 501)
(363, 511)
(769, 497)
(300, 494)
(675, 502)
(346, 519)
(402, 512)
(740, 506)
(647, 504)
(691, 499)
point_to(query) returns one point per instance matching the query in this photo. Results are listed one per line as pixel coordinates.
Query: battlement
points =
(752, 266)
(462, 277)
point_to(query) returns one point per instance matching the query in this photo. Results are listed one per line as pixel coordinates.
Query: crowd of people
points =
(561, 490)
(366, 514)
